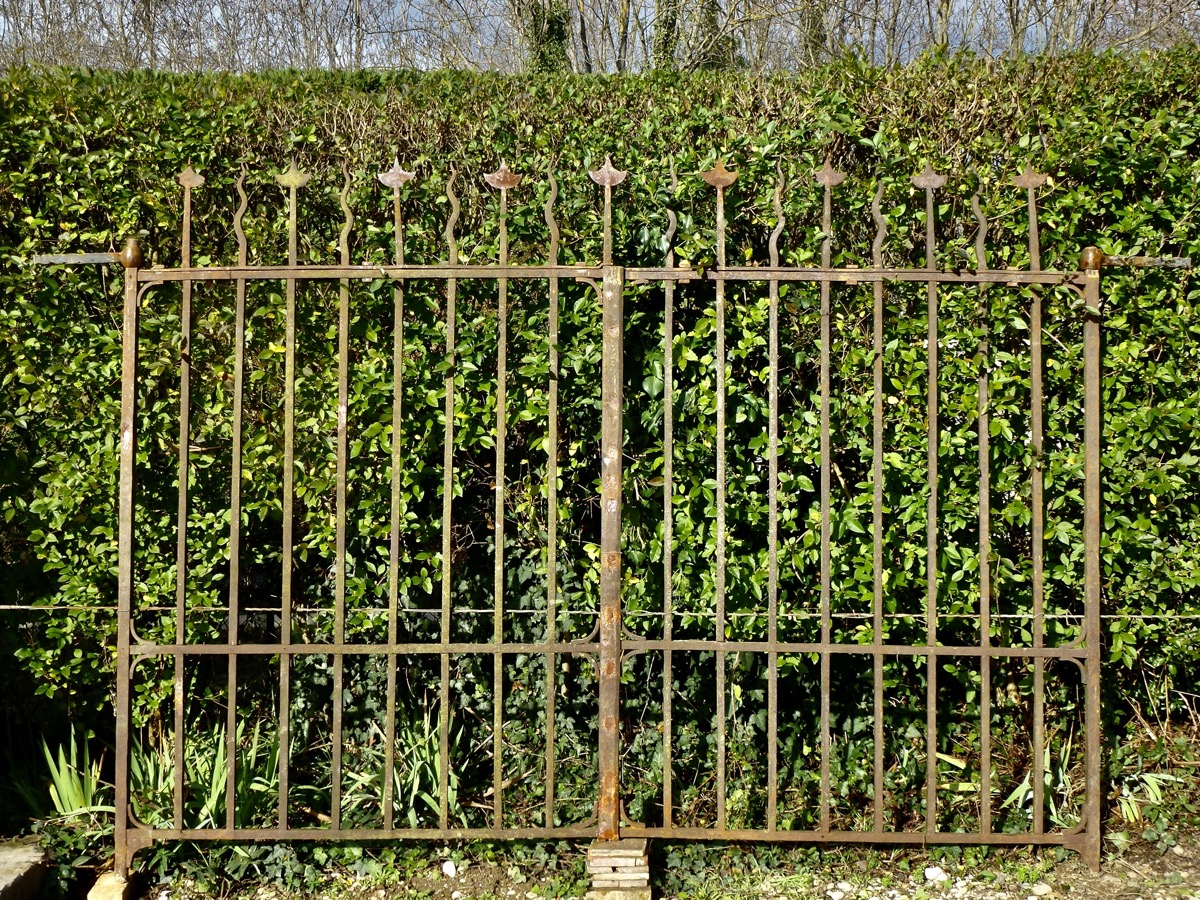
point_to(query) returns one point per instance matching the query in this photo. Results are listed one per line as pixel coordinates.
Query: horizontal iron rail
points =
(486, 649)
(319, 833)
(852, 276)
(1068, 839)
(412, 649)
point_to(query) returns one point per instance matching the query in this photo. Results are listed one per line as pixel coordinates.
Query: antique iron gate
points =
(614, 643)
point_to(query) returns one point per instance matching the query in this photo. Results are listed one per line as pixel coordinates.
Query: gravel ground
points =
(1140, 873)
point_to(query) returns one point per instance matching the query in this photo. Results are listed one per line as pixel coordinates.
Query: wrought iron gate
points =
(612, 643)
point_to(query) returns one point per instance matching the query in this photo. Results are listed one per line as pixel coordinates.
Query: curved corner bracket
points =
(190, 178)
(828, 176)
(503, 178)
(292, 177)
(594, 285)
(1077, 644)
(586, 644)
(134, 638)
(606, 175)
(395, 177)
(929, 179)
(630, 654)
(145, 289)
(1030, 179)
(1075, 283)
(718, 176)
(137, 838)
(136, 824)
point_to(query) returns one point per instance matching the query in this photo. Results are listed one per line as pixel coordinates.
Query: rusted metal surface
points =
(1085, 836)
(610, 644)
(605, 643)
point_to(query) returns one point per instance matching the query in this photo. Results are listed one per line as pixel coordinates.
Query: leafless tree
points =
(579, 35)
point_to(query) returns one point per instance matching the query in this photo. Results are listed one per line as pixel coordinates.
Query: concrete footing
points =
(111, 886)
(620, 870)
(21, 871)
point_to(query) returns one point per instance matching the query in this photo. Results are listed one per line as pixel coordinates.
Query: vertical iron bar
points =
(395, 178)
(773, 516)
(985, 529)
(930, 181)
(828, 178)
(132, 260)
(722, 712)
(189, 179)
(877, 506)
(1031, 181)
(668, 506)
(551, 506)
(720, 178)
(447, 502)
(293, 180)
(339, 589)
(1093, 530)
(235, 505)
(612, 434)
(502, 179)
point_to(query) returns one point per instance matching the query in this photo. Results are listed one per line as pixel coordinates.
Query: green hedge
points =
(89, 158)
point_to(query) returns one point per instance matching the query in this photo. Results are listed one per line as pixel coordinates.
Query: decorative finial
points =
(131, 254)
(1029, 178)
(395, 176)
(606, 175)
(718, 176)
(827, 176)
(190, 178)
(293, 177)
(929, 179)
(503, 178)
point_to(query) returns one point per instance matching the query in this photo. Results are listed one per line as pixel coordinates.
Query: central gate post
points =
(619, 868)
(611, 435)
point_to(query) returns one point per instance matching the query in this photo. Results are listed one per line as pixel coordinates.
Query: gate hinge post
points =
(611, 444)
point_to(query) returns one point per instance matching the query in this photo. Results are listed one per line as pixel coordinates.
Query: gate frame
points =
(609, 282)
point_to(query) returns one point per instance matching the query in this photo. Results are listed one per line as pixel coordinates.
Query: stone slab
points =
(111, 886)
(608, 870)
(623, 847)
(618, 862)
(619, 894)
(21, 871)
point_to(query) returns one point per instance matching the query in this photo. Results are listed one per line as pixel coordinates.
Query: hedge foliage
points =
(89, 158)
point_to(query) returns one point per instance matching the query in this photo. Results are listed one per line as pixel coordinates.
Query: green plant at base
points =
(80, 835)
(206, 772)
(75, 784)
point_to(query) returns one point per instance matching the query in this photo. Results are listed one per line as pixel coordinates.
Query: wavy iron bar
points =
(612, 642)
